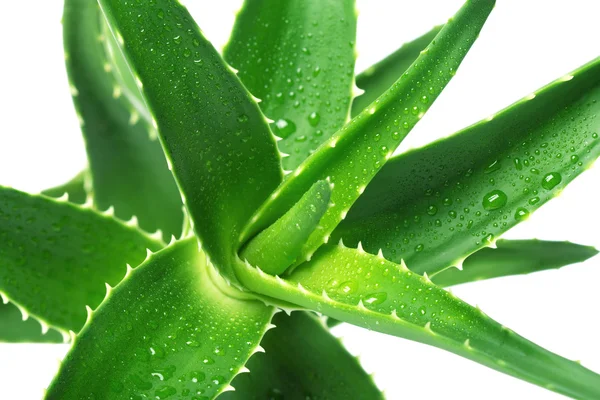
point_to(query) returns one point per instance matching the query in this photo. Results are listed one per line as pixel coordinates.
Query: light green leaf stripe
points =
(379, 77)
(56, 257)
(436, 205)
(179, 336)
(221, 150)
(369, 291)
(127, 167)
(298, 57)
(303, 360)
(354, 155)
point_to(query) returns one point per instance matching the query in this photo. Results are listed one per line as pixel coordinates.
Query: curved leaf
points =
(379, 77)
(56, 257)
(298, 57)
(217, 139)
(179, 336)
(369, 291)
(127, 166)
(302, 360)
(446, 200)
(13, 329)
(76, 189)
(354, 155)
(515, 257)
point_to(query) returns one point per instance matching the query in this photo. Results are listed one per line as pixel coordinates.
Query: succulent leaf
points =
(76, 189)
(289, 232)
(13, 329)
(379, 77)
(353, 156)
(366, 290)
(222, 152)
(302, 360)
(514, 257)
(179, 336)
(446, 200)
(127, 167)
(56, 256)
(298, 58)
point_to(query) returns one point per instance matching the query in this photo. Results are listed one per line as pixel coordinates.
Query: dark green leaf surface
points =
(515, 257)
(459, 194)
(14, 330)
(75, 189)
(298, 57)
(223, 154)
(56, 257)
(127, 167)
(352, 157)
(289, 232)
(166, 331)
(303, 360)
(369, 291)
(378, 78)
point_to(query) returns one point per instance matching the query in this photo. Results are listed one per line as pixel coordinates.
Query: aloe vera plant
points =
(225, 188)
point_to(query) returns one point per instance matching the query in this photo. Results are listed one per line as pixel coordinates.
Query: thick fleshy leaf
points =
(289, 232)
(14, 330)
(222, 152)
(302, 360)
(369, 291)
(378, 78)
(298, 58)
(515, 257)
(56, 256)
(352, 157)
(76, 189)
(166, 331)
(127, 166)
(436, 205)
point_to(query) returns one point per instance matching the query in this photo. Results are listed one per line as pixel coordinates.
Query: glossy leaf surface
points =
(179, 336)
(127, 165)
(297, 56)
(303, 360)
(436, 205)
(379, 77)
(56, 257)
(352, 157)
(369, 291)
(222, 152)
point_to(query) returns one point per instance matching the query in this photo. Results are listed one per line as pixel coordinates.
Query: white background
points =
(525, 44)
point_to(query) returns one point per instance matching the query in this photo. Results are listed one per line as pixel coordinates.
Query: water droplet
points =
(347, 287)
(374, 299)
(550, 181)
(197, 376)
(419, 248)
(432, 210)
(314, 118)
(285, 128)
(534, 200)
(165, 392)
(494, 200)
(422, 310)
(218, 379)
(521, 214)
(495, 166)
(242, 118)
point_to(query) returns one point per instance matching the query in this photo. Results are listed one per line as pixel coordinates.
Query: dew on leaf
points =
(285, 128)
(521, 214)
(550, 180)
(494, 200)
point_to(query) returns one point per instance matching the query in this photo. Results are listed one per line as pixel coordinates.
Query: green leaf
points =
(76, 189)
(352, 157)
(289, 232)
(165, 331)
(56, 256)
(515, 257)
(298, 58)
(127, 165)
(222, 152)
(302, 360)
(13, 329)
(436, 205)
(369, 291)
(378, 78)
